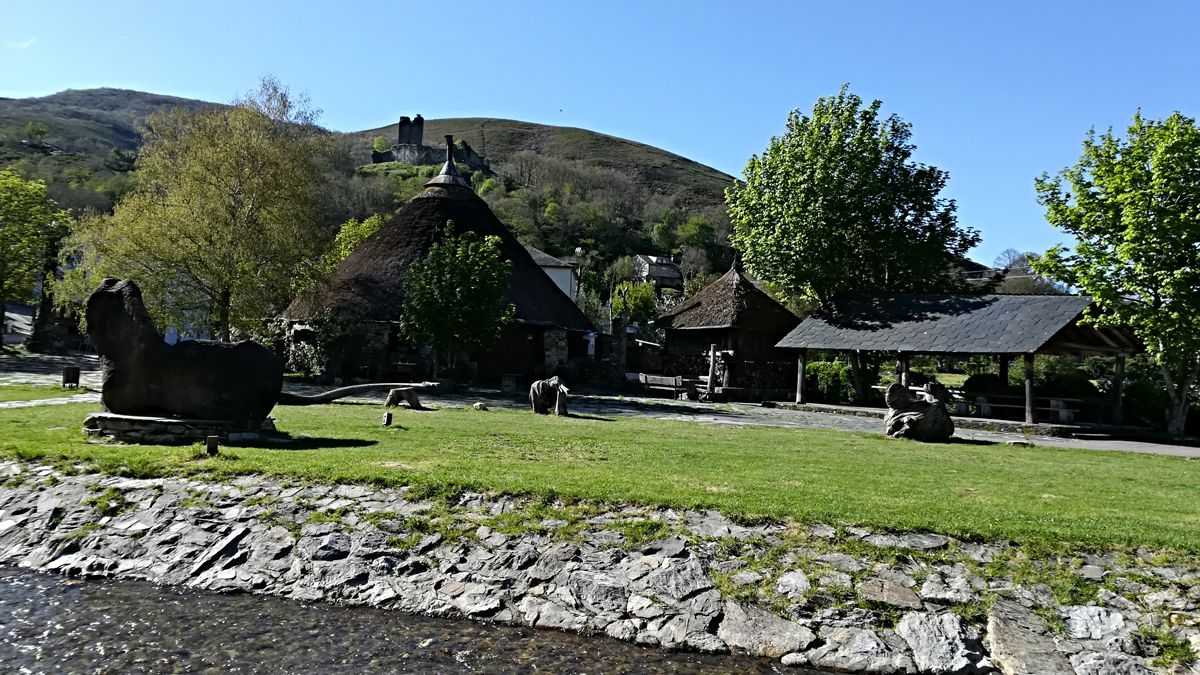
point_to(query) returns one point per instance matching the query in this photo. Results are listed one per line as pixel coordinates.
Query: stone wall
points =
(844, 600)
(554, 344)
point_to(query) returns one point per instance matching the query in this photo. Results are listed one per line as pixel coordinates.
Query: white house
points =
(561, 272)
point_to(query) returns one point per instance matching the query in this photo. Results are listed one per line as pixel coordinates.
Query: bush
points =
(828, 381)
(984, 383)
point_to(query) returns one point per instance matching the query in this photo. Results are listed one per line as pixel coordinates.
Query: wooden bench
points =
(673, 384)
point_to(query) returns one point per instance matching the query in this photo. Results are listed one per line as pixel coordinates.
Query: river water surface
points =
(52, 624)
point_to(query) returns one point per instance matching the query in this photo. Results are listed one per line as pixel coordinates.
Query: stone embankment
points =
(844, 600)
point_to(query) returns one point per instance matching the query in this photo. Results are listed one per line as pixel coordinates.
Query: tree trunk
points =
(858, 377)
(1179, 393)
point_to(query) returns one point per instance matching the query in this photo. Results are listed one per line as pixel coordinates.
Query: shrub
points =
(828, 381)
(984, 383)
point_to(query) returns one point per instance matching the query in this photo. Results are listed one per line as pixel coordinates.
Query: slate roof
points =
(733, 301)
(957, 324)
(544, 259)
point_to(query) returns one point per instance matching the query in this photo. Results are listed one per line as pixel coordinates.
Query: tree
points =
(836, 204)
(636, 301)
(352, 233)
(380, 144)
(1133, 206)
(223, 213)
(35, 131)
(454, 297)
(1020, 277)
(30, 226)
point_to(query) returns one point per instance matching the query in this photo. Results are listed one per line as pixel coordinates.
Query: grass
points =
(33, 392)
(1027, 494)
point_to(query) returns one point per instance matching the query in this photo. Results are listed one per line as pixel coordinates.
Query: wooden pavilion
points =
(1003, 326)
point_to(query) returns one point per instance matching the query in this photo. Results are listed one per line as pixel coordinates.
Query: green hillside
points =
(693, 184)
(83, 127)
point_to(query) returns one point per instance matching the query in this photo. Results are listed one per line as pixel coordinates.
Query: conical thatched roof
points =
(372, 278)
(733, 301)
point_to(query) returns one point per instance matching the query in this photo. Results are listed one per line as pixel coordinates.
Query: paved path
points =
(47, 370)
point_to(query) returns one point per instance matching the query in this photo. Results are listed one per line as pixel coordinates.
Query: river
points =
(53, 624)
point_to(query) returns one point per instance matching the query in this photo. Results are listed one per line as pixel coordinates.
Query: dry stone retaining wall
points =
(850, 600)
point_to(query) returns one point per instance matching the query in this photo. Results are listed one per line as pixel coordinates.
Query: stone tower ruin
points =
(410, 131)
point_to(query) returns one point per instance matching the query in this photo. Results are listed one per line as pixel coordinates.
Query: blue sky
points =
(996, 92)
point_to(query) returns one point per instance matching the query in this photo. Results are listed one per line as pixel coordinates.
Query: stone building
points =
(550, 329)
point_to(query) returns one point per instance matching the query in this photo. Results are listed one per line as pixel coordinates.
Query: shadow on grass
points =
(285, 442)
(590, 417)
(955, 440)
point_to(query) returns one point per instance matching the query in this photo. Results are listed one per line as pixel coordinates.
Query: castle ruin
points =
(410, 148)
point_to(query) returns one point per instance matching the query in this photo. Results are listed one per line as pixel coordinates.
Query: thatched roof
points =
(955, 323)
(372, 278)
(733, 301)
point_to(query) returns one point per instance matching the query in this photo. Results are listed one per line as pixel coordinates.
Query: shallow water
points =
(52, 624)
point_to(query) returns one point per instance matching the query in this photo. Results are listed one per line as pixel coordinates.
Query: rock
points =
(1018, 643)
(332, 546)
(920, 420)
(552, 562)
(643, 607)
(822, 531)
(747, 578)
(1091, 572)
(792, 584)
(224, 547)
(888, 592)
(1109, 663)
(759, 633)
(1091, 623)
(677, 579)
(671, 547)
(841, 561)
(625, 629)
(947, 585)
(919, 541)
(597, 591)
(794, 660)
(480, 405)
(858, 650)
(938, 642)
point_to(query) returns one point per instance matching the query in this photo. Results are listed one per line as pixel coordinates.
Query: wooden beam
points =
(712, 368)
(1003, 360)
(801, 366)
(1029, 419)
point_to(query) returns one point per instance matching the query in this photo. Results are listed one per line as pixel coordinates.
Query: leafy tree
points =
(30, 226)
(635, 301)
(352, 233)
(1020, 277)
(836, 204)
(1133, 206)
(380, 144)
(35, 131)
(223, 214)
(696, 232)
(454, 297)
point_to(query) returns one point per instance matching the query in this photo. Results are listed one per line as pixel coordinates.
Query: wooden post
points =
(1003, 359)
(1118, 411)
(712, 368)
(904, 369)
(801, 367)
(1029, 419)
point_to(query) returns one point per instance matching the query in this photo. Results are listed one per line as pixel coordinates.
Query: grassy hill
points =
(85, 126)
(660, 172)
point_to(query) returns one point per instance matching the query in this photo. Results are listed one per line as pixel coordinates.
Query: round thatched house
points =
(550, 328)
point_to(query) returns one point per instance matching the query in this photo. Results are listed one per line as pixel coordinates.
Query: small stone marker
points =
(387, 419)
(70, 377)
(210, 445)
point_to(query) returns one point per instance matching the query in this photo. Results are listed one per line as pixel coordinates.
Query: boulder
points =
(759, 633)
(924, 419)
(938, 643)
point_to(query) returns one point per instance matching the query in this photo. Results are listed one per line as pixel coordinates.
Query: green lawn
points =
(30, 392)
(1035, 494)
